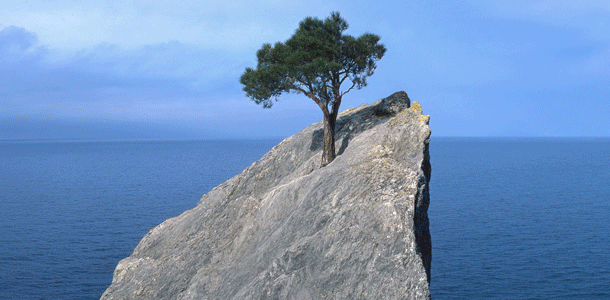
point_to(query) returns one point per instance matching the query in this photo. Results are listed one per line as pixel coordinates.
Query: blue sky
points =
(166, 69)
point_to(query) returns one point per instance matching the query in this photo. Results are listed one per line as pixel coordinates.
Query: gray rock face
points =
(286, 229)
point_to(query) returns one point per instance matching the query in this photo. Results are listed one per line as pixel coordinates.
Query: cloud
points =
(179, 62)
(215, 24)
(18, 46)
(109, 81)
(14, 40)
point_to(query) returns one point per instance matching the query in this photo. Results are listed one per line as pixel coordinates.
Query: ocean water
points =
(70, 210)
(509, 218)
(520, 218)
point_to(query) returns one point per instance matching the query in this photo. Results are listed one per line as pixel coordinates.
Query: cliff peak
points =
(287, 229)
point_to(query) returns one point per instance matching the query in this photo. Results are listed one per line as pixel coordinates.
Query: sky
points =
(152, 69)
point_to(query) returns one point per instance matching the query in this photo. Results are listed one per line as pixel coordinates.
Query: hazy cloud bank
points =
(479, 67)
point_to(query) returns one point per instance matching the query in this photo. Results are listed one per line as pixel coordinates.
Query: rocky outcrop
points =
(287, 229)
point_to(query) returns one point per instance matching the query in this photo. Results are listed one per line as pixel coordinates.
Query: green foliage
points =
(315, 62)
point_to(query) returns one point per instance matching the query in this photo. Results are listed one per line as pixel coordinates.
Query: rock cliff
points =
(287, 229)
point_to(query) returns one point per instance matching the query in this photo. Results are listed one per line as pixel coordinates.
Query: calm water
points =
(69, 211)
(510, 219)
(520, 219)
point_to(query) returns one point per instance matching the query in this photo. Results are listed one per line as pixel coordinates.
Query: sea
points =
(510, 218)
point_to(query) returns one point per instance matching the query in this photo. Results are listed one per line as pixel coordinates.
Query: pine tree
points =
(316, 61)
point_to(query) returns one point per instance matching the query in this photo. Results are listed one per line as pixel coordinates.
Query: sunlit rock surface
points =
(287, 229)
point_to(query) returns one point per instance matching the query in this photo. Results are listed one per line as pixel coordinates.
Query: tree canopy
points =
(316, 61)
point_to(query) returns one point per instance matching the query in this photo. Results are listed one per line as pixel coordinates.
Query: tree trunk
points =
(328, 153)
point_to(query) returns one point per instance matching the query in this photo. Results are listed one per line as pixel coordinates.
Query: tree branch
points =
(346, 75)
(313, 97)
(350, 88)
